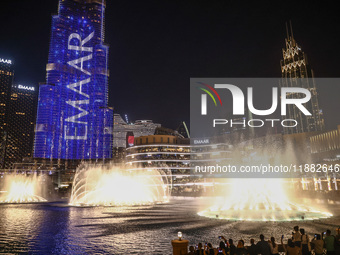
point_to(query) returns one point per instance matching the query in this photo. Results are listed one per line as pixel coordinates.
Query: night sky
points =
(156, 46)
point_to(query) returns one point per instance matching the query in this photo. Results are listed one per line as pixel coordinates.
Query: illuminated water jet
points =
(260, 200)
(114, 186)
(21, 189)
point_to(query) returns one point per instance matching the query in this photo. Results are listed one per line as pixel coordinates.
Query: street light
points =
(179, 234)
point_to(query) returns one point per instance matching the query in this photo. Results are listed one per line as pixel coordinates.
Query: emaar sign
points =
(77, 87)
(26, 87)
(6, 61)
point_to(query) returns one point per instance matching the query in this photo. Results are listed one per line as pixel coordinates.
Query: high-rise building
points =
(296, 72)
(20, 124)
(73, 119)
(6, 81)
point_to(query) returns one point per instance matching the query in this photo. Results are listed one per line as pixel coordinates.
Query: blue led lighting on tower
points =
(73, 119)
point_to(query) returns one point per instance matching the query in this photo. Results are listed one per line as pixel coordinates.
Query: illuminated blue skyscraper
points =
(73, 118)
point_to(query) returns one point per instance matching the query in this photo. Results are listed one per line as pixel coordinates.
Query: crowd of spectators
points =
(298, 244)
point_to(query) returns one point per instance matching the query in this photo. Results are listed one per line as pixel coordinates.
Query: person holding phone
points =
(222, 248)
(318, 244)
(209, 250)
(329, 243)
(226, 244)
(220, 251)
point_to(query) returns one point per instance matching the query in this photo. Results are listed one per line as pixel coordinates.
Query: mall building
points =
(174, 156)
(124, 134)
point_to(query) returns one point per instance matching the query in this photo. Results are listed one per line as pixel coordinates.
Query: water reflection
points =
(50, 229)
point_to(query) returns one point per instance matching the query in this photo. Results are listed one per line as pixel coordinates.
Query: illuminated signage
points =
(78, 103)
(6, 61)
(131, 140)
(81, 124)
(26, 87)
(201, 141)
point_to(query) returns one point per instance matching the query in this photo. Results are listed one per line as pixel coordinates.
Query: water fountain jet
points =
(97, 185)
(260, 200)
(21, 189)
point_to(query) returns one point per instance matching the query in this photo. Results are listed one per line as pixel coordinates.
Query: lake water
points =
(58, 229)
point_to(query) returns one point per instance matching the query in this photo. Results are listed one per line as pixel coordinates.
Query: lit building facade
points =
(296, 72)
(325, 147)
(20, 121)
(167, 154)
(138, 128)
(175, 157)
(6, 81)
(74, 121)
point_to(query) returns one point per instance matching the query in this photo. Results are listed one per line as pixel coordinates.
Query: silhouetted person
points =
(305, 245)
(337, 242)
(263, 247)
(318, 244)
(296, 236)
(226, 244)
(252, 248)
(329, 243)
(210, 250)
(191, 250)
(274, 248)
(291, 248)
(223, 247)
(232, 247)
(241, 250)
(200, 250)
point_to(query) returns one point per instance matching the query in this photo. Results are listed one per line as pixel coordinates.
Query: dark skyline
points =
(156, 46)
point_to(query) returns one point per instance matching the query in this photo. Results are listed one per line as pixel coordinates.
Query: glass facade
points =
(20, 127)
(6, 80)
(73, 119)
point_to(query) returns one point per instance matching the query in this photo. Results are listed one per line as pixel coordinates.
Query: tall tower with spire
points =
(74, 121)
(296, 72)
